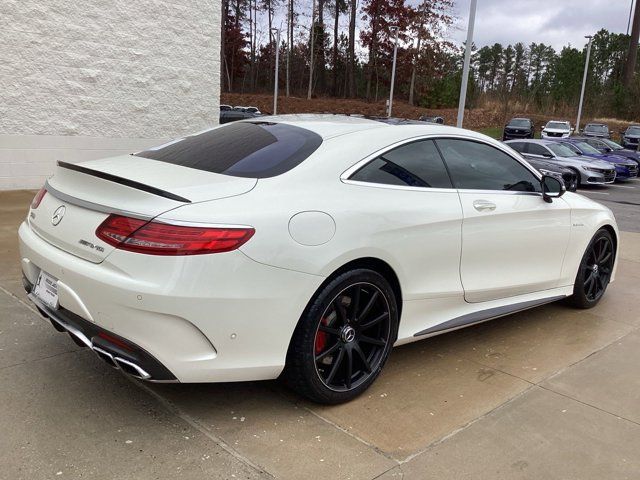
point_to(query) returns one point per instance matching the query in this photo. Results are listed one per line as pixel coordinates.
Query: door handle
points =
(484, 205)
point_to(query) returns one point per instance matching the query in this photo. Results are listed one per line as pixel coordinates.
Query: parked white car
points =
(556, 129)
(305, 246)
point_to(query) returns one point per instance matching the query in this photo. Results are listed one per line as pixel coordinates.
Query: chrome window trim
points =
(64, 197)
(344, 177)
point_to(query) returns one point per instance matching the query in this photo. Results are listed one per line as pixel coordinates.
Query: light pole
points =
(467, 61)
(395, 29)
(584, 81)
(275, 83)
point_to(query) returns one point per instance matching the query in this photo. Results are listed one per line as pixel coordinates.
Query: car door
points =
(414, 214)
(513, 242)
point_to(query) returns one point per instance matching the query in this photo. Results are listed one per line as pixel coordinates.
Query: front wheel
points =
(344, 338)
(595, 271)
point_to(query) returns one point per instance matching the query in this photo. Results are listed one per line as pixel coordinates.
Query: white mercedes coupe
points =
(303, 246)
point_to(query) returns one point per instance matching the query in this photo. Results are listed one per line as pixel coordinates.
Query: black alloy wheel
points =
(352, 337)
(344, 338)
(595, 271)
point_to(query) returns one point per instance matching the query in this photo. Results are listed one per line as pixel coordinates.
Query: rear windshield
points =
(241, 149)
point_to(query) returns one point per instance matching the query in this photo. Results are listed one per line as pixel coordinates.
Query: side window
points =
(517, 146)
(478, 166)
(416, 164)
(535, 149)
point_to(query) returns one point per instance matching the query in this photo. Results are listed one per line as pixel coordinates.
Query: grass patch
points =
(493, 132)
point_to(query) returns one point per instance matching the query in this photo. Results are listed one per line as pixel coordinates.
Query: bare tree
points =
(311, 57)
(351, 61)
(630, 66)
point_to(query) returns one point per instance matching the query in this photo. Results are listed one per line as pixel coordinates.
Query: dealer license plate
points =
(46, 289)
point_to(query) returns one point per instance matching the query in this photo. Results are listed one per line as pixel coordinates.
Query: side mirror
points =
(608, 150)
(552, 188)
(572, 129)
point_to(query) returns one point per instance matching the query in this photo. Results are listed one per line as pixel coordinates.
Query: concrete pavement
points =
(550, 393)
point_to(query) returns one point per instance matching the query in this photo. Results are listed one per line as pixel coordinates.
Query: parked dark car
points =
(631, 136)
(625, 169)
(518, 128)
(431, 119)
(604, 145)
(599, 130)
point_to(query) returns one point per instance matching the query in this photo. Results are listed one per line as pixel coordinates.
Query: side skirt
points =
(484, 315)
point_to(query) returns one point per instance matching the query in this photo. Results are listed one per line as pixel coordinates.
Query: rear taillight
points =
(38, 198)
(156, 238)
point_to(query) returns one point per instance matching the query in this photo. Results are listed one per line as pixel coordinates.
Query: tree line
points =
(344, 48)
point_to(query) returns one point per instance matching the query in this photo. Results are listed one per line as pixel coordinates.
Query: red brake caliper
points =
(321, 338)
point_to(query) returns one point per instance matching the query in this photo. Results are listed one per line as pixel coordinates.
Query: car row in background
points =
(231, 114)
(520, 127)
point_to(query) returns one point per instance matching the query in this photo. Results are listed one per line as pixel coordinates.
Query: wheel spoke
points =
(372, 341)
(342, 314)
(363, 357)
(375, 321)
(355, 303)
(605, 258)
(372, 300)
(332, 331)
(328, 351)
(349, 367)
(335, 366)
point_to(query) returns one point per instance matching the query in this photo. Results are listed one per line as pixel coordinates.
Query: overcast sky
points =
(554, 22)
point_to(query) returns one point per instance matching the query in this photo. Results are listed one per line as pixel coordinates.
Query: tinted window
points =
(517, 146)
(417, 164)
(535, 149)
(586, 148)
(244, 149)
(520, 122)
(478, 166)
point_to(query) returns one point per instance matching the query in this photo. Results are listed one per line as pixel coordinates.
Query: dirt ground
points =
(475, 119)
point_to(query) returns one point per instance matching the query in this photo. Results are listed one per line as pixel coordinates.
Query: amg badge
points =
(97, 248)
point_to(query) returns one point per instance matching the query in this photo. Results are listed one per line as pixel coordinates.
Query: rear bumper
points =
(207, 318)
(122, 354)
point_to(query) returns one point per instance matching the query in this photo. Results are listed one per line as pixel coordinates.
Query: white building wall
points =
(86, 79)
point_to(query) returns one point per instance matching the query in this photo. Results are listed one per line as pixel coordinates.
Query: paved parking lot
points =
(623, 198)
(551, 393)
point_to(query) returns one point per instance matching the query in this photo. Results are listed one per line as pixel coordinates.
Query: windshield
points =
(241, 149)
(519, 122)
(611, 144)
(561, 150)
(558, 125)
(586, 148)
(635, 130)
(597, 128)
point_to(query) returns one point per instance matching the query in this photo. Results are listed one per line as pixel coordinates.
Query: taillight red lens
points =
(156, 238)
(38, 198)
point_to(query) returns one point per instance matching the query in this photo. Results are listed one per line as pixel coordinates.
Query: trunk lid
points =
(81, 196)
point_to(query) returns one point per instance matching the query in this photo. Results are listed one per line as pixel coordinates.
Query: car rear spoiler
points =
(123, 181)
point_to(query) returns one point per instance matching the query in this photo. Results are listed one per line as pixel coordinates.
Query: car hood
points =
(632, 135)
(591, 161)
(557, 130)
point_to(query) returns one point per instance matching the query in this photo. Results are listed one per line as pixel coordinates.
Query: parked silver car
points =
(590, 171)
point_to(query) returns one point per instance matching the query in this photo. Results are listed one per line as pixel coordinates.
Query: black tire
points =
(579, 179)
(594, 272)
(332, 357)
